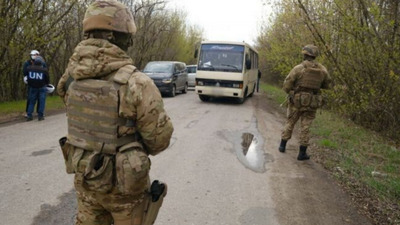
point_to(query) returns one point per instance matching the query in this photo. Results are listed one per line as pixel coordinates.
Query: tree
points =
(27, 25)
(55, 28)
(359, 42)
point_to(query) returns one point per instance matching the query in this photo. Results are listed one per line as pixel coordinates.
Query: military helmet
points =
(109, 15)
(310, 50)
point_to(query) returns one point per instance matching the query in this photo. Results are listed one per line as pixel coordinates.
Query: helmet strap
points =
(99, 34)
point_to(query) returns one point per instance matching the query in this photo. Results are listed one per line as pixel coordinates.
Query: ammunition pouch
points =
(296, 100)
(99, 173)
(132, 166)
(154, 200)
(96, 170)
(127, 170)
(306, 100)
(68, 153)
(316, 101)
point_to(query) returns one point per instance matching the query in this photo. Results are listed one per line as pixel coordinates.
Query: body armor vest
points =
(93, 113)
(311, 78)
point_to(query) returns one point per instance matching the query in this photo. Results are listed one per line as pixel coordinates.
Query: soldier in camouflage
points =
(116, 118)
(303, 86)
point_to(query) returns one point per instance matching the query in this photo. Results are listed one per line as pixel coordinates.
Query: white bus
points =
(226, 69)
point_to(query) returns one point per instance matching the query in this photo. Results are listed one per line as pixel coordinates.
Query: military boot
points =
(302, 153)
(282, 147)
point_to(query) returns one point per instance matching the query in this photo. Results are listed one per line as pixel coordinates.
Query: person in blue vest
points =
(38, 79)
(33, 55)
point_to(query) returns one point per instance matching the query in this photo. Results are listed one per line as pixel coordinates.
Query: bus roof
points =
(231, 43)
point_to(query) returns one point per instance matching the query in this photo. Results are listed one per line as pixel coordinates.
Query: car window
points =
(176, 68)
(158, 67)
(191, 69)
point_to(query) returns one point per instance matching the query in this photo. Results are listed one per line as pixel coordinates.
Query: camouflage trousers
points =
(306, 118)
(96, 208)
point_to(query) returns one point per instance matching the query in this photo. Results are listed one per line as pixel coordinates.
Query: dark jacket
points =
(37, 75)
(30, 63)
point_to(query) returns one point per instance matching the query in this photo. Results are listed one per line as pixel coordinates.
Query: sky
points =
(225, 20)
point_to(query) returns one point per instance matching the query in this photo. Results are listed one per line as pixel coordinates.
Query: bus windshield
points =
(221, 57)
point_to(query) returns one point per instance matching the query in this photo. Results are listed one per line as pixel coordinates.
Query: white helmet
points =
(50, 88)
(35, 52)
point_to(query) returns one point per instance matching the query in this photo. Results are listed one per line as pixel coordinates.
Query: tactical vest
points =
(311, 78)
(306, 94)
(93, 113)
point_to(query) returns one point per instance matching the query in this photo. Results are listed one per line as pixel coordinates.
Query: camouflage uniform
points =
(111, 179)
(303, 86)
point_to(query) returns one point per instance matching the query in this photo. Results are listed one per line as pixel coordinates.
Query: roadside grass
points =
(275, 93)
(359, 153)
(359, 158)
(18, 107)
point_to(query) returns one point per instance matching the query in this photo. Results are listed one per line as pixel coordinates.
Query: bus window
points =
(220, 57)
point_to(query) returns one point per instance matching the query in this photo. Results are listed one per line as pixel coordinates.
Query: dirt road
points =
(222, 167)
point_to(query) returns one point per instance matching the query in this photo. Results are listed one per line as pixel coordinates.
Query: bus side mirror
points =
(196, 52)
(248, 64)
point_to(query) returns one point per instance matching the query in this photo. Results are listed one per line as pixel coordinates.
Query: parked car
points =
(170, 77)
(192, 75)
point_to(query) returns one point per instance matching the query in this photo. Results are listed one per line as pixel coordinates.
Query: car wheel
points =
(204, 98)
(185, 89)
(173, 91)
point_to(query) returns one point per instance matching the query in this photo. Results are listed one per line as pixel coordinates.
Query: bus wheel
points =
(251, 94)
(241, 100)
(204, 98)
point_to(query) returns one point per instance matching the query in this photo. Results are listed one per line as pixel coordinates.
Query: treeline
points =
(360, 45)
(55, 28)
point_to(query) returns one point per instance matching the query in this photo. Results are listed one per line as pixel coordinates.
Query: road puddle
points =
(251, 153)
(248, 145)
